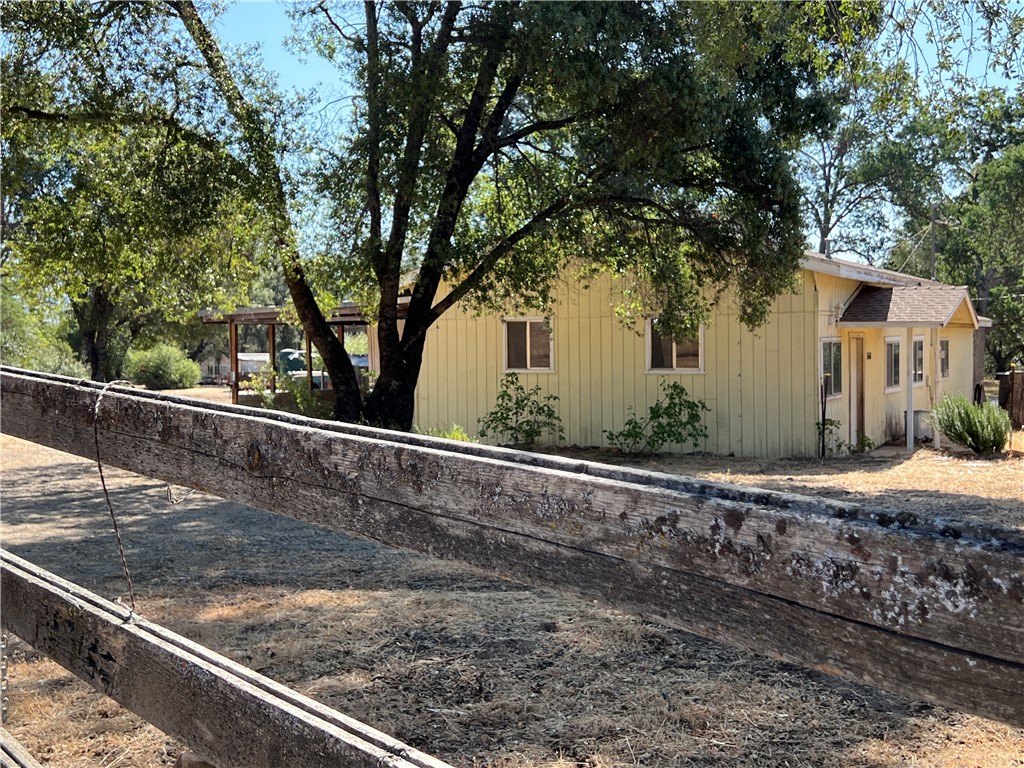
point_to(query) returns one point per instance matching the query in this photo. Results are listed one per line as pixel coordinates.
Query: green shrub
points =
(307, 401)
(162, 367)
(454, 432)
(522, 416)
(828, 431)
(982, 428)
(673, 418)
(26, 341)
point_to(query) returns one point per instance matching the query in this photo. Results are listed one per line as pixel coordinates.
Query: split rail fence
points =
(910, 603)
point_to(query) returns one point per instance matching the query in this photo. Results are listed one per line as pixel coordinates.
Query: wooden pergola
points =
(341, 317)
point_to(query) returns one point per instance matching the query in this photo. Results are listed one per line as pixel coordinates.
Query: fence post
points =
(1011, 396)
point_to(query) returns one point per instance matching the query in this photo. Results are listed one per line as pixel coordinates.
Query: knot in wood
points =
(253, 455)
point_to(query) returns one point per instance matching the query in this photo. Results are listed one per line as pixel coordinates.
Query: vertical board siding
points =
(759, 386)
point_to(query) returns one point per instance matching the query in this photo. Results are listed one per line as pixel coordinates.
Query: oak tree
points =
(491, 147)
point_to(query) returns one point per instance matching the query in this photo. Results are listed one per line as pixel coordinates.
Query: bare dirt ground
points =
(472, 668)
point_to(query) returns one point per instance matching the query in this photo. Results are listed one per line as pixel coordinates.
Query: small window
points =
(665, 353)
(528, 345)
(832, 366)
(918, 361)
(892, 364)
(944, 358)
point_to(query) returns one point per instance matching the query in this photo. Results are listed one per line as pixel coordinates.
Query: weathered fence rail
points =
(911, 604)
(12, 754)
(226, 713)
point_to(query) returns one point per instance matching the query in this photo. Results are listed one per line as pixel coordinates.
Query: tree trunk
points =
(92, 316)
(94, 353)
(393, 400)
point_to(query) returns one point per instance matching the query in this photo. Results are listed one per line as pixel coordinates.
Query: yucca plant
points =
(982, 428)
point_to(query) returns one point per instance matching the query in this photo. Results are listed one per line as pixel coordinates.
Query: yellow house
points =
(858, 342)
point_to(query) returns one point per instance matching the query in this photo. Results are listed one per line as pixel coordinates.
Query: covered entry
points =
(909, 345)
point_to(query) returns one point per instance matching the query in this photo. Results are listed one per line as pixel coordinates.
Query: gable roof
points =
(910, 306)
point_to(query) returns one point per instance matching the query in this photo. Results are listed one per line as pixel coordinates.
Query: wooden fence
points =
(229, 715)
(1011, 396)
(925, 607)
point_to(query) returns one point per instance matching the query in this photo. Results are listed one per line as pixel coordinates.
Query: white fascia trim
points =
(861, 272)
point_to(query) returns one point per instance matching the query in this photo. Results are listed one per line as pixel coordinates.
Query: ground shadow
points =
(449, 659)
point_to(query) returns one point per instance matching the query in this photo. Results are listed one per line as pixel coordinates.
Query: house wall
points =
(885, 412)
(215, 367)
(760, 387)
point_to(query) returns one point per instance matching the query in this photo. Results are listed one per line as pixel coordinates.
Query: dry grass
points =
(477, 670)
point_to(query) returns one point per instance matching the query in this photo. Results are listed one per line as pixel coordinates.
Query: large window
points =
(918, 361)
(665, 353)
(528, 344)
(944, 358)
(832, 366)
(892, 364)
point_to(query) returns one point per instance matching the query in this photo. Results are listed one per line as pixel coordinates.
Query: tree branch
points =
(263, 147)
(131, 118)
(536, 222)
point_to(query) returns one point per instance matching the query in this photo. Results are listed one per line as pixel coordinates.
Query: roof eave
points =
(876, 324)
(861, 272)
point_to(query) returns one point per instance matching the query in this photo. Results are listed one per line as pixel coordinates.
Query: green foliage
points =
(828, 431)
(872, 160)
(454, 432)
(835, 445)
(489, 146)
(674, 418)
(132, 225)
(357, 343)
(522, 416)
(26, 341)
(307, 401)
(162, 367)
(864, 444)
(983, 428)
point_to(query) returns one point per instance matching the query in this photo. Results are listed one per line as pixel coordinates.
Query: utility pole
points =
(933, 207)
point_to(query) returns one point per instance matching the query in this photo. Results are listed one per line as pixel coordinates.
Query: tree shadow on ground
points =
(448, 658)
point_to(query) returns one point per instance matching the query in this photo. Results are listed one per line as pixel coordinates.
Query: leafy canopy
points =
(635, 138)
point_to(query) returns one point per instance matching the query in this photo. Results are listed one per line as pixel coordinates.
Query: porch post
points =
(909, 354)
(936, 385)
(233, 351)
(309, 363)
(272, 346)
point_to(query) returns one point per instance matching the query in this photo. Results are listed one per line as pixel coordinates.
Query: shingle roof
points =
(919, 306)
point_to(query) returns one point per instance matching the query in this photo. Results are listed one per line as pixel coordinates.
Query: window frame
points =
(648, 350)
(831, 340)
(895, 341)
(548, 323)
(943, 358)
(918, 382)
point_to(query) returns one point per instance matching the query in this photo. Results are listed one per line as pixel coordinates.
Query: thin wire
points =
(106, 493)
(178, 499)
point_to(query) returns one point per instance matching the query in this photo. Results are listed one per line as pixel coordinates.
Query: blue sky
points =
(266, 22)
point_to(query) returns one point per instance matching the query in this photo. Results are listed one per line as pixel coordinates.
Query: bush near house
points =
(522, 415)
(452, 432)
(162, 367)
(290, 393)
(673, 418)
(982, 428)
